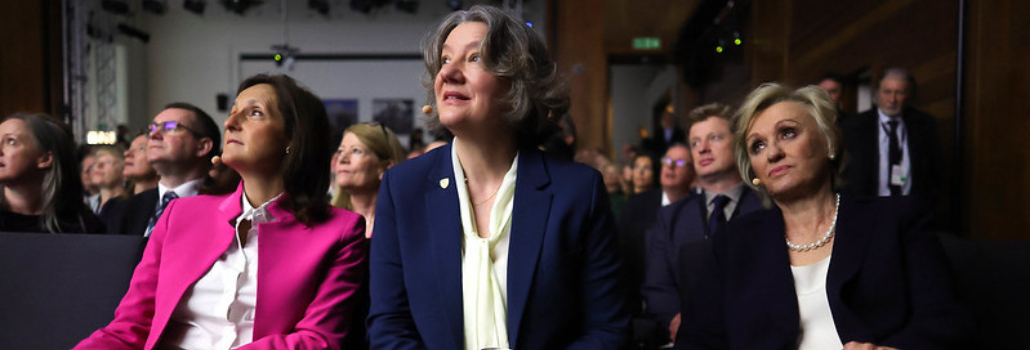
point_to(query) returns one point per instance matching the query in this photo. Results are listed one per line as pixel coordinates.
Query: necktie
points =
(168, 197)
(894, 156)
(718, 215)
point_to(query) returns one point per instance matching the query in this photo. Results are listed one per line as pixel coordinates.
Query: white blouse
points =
(484, 263)
(217, 312)
(818, 332)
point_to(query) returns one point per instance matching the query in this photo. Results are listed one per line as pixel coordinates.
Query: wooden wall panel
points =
(30, 66)
(578, 46)
(996, 193)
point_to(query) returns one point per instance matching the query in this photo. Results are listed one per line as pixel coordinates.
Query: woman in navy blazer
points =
(853, 274)
(488, 242)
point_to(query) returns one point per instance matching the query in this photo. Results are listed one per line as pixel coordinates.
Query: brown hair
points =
(306, 165)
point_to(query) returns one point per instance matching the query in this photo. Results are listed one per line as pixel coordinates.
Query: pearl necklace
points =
(820, 242)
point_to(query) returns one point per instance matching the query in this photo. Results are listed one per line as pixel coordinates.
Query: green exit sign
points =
(647, 43)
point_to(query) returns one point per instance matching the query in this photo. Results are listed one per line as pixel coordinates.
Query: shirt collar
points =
(734, 194)
(256, 215)
(884, 119)
(188, 189)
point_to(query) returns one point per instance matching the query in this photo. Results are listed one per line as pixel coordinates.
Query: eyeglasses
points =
(675, 162)
(170, 127)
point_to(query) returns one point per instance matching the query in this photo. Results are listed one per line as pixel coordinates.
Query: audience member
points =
(613, 184)
(91, 193)
(41, 190)
(521, 255)
(199, 285)
(107, 175)
(638, 216)
(833, 84)
(666, 133)
(182, 141)
(854, 273)
(894, 148)
(722, 197)
(137, 170)
(643, 174)
(365, 153)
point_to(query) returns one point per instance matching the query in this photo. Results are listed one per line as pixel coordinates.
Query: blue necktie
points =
(718, 215)
(168, 197)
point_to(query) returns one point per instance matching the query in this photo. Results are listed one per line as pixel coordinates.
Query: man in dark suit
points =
(723, 196)
(894, 149)
(182, 141)
(666, 132)
(640, 212)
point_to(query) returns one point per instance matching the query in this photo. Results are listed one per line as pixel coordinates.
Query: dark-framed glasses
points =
(674, 162)
(170, 127)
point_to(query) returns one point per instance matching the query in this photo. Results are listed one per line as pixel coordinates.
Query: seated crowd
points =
(779, 224)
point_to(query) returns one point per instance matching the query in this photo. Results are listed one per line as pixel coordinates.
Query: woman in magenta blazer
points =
(200, 284)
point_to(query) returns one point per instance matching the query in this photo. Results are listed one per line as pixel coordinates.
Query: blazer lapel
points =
(849, 250)
(529, 222)
(442, 211)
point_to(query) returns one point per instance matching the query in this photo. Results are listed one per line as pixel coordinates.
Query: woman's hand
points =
(854, 345)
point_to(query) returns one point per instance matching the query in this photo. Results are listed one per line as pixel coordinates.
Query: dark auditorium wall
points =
(996, 194)
(30, 66)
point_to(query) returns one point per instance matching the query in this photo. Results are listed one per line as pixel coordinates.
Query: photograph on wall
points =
(396, 113)
(342, 114)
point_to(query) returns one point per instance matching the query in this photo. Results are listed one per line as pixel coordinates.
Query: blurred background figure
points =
(894, 149)
(107, 176)
(90, 194)
(833, 84)
(41, 189)
(138, 171)
(365, 152)
(644, 174)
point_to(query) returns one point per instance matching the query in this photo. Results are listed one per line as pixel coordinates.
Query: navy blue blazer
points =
(678, 223)
(888, 283)
(563, 285)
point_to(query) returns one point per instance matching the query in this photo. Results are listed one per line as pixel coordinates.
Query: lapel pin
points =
(444, 182)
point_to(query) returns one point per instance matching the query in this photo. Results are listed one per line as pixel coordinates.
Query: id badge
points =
(899, 175)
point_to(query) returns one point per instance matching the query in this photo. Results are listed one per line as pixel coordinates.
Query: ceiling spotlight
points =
(115, 6)
(455, 5)
(239, 6)
(134, 32)
(195, 6)
(157, 7)
(322, 6)
(365, 6)
(409, 6)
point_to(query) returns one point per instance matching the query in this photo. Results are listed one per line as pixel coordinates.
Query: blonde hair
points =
(815, 100)
(382, 142)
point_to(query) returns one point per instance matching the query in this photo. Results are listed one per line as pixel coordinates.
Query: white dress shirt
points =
(884, 188)
(187, 189)
(217, 312)
(818, 331)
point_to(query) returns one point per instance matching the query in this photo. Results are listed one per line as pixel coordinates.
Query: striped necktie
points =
(168, 197)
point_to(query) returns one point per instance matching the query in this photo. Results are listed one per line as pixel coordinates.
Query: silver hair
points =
(516, 54)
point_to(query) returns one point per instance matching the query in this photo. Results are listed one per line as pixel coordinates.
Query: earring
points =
(287, 150)
(833, 157)
(756, 181)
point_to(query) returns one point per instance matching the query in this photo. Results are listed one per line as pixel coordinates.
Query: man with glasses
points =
(688, 223)
(182, 141)
(638, 216)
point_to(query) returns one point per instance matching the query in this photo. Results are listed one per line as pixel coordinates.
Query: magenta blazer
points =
(312, 292)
